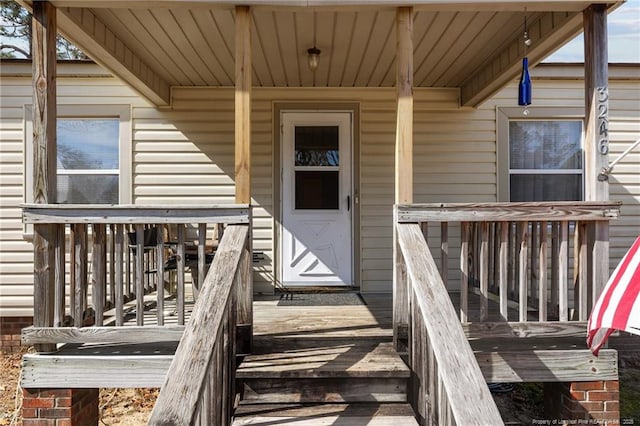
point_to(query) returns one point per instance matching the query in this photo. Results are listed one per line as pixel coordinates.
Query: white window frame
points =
(504, 116)
(120, 112)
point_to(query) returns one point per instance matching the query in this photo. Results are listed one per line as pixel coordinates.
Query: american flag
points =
(618, 307)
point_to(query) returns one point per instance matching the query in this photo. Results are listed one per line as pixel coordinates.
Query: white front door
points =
(316, 235)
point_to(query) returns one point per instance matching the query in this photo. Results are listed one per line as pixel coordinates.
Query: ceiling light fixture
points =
(313, 57)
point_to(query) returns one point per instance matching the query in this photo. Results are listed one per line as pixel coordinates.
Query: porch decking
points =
(366, 330)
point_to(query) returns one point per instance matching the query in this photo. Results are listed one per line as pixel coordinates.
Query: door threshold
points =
(317, 289)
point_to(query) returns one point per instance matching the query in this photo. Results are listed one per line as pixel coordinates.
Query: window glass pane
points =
(317, 190)
(87, 144)
(87, 189)
(316, 146)
(546, 187)
(545, 144)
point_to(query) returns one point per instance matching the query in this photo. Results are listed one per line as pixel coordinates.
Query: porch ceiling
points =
(474, 46)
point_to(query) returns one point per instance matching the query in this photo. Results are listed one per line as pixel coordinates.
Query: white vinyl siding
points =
(185, 154)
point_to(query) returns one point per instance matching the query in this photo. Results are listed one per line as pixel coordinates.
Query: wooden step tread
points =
(325, 414)
(280, 358)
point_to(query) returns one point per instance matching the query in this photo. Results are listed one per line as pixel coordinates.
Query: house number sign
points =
(603, 120)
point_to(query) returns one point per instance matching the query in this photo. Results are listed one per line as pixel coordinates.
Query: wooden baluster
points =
(555, 258)
(202, 270)
(244, 283)
(583, 272)
(542, 273)
(401, 295)
(444, 253)
(503, 275)
(79, 273)
(180, 274)
(513, 260)
(129, 291)
(119, 282)
(218, 366)
(464, 271)
(60, 263)
(484, 271)
(223, 392)
(491, 265)
(533, 271)
(112, 261)
(139, 273)
(523, 233)
(99, 271)
(563, 272)
(44, 264)
(600, 258)
(160, 275)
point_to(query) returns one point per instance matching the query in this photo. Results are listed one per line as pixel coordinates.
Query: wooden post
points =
(243, 105)
(596, 144)
(243, 169)
(404, 156)
(44, 160)
(404, 118)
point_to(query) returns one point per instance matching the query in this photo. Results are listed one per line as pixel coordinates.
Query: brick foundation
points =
(10, 331)
(596, 401)
(60, 407)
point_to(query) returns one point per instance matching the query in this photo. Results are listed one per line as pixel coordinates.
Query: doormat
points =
(320, 299)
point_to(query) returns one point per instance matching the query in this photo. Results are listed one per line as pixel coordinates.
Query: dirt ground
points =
(132, 407)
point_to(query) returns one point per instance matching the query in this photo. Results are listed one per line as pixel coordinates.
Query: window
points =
(540, 156)
(93, 158)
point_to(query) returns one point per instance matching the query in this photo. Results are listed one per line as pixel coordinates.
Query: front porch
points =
(391, 350)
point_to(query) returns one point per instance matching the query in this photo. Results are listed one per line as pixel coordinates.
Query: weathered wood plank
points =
(596, 140)
(484, 271)
(194, 352)
(44, 278)
(480, 330)
(60, 275)
(464, 272)
(128, 334)
(79, 272)
(404, 110)
(99, 271)
(160, 274)
(401, 293)
(243, 76)
(93, 371)
(139, 273)
(498, 212)
(503, 265)
(563, 272)
(119, 283)
(180, 265)
(548, 365)
(134, 214)
(523, 233)
(542, 273)
(457, 365)
(444, 253)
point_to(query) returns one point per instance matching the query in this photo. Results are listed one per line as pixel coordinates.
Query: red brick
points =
(592, 406)
(578, 395)
(612, 406)
(599, 385)
(64, 401)
(605, 415)
(612, 385)
(56, 393)
(55, 413)
(38, 422)
(29, 413)
(38, 402)
(603, 396)
(64, 422)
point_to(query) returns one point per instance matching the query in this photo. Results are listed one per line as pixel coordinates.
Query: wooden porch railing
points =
(96, 267)
(199, 386)
(447, 386)
(538, 261)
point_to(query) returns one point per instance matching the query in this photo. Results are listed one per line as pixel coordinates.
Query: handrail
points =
(204, 362)
(96, 266)
(450, 386)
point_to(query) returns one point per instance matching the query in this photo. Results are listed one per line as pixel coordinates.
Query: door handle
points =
(348, 203)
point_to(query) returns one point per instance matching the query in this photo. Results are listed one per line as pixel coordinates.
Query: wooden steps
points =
(375, 414)
(294, 370)
(323, 365)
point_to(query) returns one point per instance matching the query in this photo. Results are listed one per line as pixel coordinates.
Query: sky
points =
(623, 27)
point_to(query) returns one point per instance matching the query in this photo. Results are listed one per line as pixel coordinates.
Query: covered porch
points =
(513, 263)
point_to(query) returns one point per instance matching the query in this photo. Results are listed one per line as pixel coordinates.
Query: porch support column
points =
(404, 158)
(243, 167)
(44, 159)
(596, 144)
